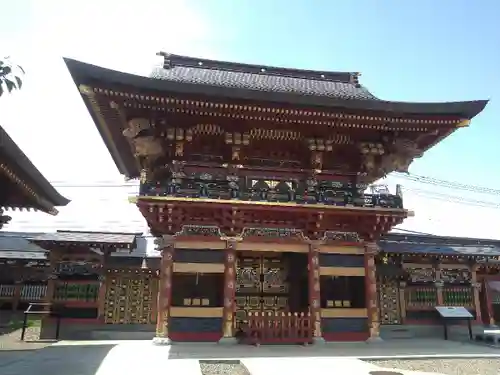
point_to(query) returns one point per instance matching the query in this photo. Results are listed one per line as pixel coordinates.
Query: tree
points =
(10, 76)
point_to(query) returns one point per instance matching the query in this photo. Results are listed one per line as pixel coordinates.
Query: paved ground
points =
(471, 366)
(106, 358)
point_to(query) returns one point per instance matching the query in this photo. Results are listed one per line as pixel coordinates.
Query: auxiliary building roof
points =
(439, 245)
(24, 176)
(92, 239)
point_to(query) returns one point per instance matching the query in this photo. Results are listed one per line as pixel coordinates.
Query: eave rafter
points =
(38, 203)
(277, 114)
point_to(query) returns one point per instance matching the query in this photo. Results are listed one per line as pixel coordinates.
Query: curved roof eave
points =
(50, 197)
(89, 74)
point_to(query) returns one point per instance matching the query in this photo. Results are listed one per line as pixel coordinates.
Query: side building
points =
(253, 180)
(416, 273)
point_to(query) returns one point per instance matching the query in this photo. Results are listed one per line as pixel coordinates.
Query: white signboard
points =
(454, 312)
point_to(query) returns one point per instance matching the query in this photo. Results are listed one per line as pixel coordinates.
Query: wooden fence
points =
(278, 327)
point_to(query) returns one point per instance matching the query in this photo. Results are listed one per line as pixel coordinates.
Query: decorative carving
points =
(200, 230)
(129, 300)
(135, 126)
(179, 149)
(272, 233)
(342, 236)
(148, 146)
(235, 156)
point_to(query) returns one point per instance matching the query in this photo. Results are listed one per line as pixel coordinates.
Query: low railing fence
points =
(278, 327)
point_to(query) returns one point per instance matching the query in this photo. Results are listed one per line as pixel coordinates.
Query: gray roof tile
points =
(341, 85)
(88, 237)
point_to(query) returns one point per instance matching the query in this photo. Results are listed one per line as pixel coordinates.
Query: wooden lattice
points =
(389, 306)
(129, 299)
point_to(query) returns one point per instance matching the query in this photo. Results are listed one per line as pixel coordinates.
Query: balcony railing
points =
(333, 196)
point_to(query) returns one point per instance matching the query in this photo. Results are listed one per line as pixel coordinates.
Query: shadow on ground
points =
(54, 360)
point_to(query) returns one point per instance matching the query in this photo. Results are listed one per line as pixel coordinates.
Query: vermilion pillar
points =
(314, 292)
(475, 290)
(229, 294)
(371, 249)
(166, 244)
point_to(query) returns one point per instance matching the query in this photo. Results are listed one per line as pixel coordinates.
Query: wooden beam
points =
(196, 312)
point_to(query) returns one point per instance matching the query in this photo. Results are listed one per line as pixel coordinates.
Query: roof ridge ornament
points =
(167, 61)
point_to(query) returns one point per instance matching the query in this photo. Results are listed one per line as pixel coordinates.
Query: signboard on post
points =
(454, 312)
(450, 314)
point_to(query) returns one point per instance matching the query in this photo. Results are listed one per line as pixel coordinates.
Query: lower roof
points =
(119, 240)
(439, 245)
(26, 179)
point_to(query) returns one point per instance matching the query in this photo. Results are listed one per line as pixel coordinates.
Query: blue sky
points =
(406, 50)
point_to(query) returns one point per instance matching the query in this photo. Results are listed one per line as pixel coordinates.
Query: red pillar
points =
(314, 292)
(166, 244)
(371, 249)
(229, 294)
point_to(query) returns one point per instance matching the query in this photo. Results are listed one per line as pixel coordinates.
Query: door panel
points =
(261, 285)
(129, 299)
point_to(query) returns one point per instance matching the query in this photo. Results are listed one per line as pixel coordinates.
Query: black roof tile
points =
(88, 237)
(22, 165)
(261, 78)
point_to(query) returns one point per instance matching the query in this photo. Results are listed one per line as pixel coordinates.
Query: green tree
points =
(10, 76)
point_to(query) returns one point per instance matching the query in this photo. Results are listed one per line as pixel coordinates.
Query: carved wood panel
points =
(389, 304)
(129, 298)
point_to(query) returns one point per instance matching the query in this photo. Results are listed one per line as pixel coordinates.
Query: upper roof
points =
(189, 75)
(26, 177)
(184, 69)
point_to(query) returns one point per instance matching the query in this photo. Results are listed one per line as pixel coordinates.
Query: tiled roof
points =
(88, 237)
(31, 255)
(16, 245)
(18, 241)
(403, 243)
(16, 159)
(261, 78)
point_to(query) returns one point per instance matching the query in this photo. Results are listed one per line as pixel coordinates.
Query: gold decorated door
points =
(389, 303)
(261, 285)
(129, 299)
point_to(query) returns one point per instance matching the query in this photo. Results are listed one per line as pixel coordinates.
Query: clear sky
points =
(419, 50)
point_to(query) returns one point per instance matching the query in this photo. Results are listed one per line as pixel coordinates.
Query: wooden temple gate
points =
(281, 165)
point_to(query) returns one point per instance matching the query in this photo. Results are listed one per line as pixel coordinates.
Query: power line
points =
(447, 184)
(453, 199)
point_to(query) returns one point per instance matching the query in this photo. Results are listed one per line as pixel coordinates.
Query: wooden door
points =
(261, 286)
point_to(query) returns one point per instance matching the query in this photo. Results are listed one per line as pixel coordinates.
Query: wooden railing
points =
(7, 290)
(33, 292)
(421, 297)
(25, 292)
(458, 296)
(278, 327)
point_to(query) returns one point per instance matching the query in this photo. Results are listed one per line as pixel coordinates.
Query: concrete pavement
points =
(133, 357)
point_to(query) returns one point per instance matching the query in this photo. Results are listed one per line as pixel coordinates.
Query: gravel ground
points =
(484, 366)
(223, 368)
